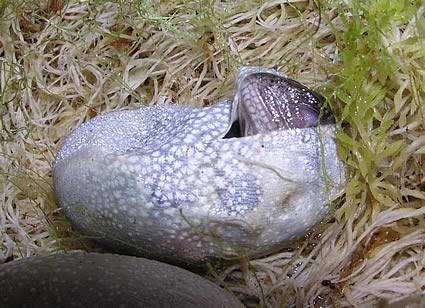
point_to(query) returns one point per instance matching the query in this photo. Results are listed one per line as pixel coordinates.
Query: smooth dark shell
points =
(81, 279)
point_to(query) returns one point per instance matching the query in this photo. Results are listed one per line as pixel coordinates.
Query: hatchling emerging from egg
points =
(186, 184)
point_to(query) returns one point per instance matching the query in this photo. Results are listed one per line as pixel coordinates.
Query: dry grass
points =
(62, 63)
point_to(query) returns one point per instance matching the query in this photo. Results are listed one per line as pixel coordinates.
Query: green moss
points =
(201, 29)
(364, 86)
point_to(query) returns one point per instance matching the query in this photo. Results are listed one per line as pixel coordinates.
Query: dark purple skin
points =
(269, 102)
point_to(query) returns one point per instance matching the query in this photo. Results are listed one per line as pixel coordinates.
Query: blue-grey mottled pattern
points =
(162, 182)
(79, 279)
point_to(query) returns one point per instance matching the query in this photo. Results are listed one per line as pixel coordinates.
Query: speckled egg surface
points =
(162, 182)
(80, 279)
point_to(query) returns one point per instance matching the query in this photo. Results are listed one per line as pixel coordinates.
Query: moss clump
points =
(372, 67)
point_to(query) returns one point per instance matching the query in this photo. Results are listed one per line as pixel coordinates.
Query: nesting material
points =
(63, 62)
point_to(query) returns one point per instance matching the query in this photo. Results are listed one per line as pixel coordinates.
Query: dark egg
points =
(80, 279)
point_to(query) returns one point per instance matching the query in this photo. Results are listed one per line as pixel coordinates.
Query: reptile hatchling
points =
(187, 185)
